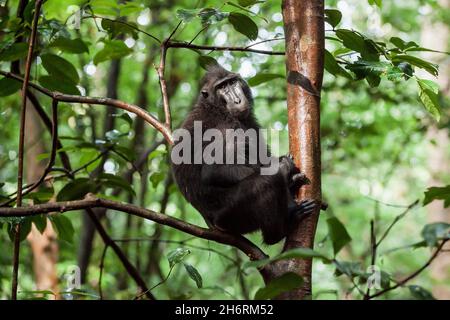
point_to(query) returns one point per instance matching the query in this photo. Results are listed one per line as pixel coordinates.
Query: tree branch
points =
(166, 132)
(178, 44)
(90, 201)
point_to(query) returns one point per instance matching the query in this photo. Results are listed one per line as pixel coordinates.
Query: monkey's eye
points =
(221, 86)
(205, 94)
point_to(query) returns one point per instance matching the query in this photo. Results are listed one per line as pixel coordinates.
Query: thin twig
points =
(179, 44)
(101, 267)
(412, 275)
(32, 40)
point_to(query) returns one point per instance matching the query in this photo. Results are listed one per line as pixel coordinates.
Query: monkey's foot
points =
(303, 209)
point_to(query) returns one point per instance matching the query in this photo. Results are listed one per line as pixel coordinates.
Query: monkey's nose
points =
(237, 101)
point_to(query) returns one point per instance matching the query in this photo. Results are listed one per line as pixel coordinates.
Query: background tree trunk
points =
(305, 43)
(43, 246)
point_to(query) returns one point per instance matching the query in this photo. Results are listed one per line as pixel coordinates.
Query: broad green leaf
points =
(105, 7)
(186, 15)
(14, 52)
(420, 63)
(114, 28)
(9, 86)
(429, 97)
(437, 193)
(356, 42)
(42, 196)
(194, 275)
(401, 44)
(420, 293)
(333, 17)
(247, 3)
(333, 67)
(351, 269)
(75, 189)
(434, 232)
(177, 255)
(287, 282)
(25, 228)
(338, 234)
(70, 45)
(211, 16)
(63, 227)
(127, 9)
(244, 24)
(263, 77)
(60, 85)
(114, 49)
(112, 181)
(379, 3)
(60, 68)
(40, 221)
(156, 178)
(206, 61)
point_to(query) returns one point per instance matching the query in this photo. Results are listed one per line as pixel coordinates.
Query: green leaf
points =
(194, 275)
(333, 17)
(296, 253)
(287, 282)
(156, 178)
(333, 67)
(40, 221)
(75, 189)
(401, 44)
(14, 52)
(338, 234)
(177, 255)
(206, 61)
(25, 228)
(186, 15)
(106, 7)
(356, 42)
(60, 68)
(351, 269)
(420, 293)
(379, 3)
(112, 181)
(263, 77)
(434, 232)
(420, 63)
(211, 16)
(428, 95)
(42, 196)
(247, 3)
(63, 227)
(114, 28)
(114, 49)
(437, 193)
(9, 86)
(60, 85)
(70, 45)
(244, 24)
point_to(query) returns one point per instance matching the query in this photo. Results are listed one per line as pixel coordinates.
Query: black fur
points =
(234, 197)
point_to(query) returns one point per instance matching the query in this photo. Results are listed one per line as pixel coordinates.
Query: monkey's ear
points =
(205, 94)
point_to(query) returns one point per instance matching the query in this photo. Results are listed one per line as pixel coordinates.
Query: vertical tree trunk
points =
(43, 246)
(435, 35)
(305, 42)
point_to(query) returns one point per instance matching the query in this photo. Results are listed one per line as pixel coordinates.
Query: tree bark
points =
(305, 43)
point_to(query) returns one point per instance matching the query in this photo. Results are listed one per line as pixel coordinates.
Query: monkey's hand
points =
(302, 209)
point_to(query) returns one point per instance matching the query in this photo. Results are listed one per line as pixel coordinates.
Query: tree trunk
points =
(43, 246)
(435, 35)
(305, 43)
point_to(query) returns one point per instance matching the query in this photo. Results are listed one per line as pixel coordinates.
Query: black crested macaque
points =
(236, 197)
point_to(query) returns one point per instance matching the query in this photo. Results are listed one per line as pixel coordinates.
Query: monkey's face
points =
(229, 92)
